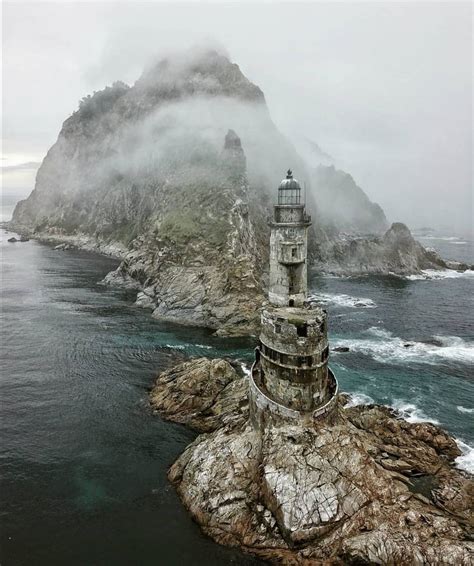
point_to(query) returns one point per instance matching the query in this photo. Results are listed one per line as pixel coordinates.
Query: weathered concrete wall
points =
(266, 411)
(294, 354)
(283, 330)
(288, 252)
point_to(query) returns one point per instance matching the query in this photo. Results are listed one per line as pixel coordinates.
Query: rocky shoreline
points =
(366, 487)
(223, 290)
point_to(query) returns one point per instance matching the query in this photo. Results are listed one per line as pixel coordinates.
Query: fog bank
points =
(385, 89)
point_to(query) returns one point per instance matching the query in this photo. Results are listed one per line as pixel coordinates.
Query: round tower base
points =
(265, 410)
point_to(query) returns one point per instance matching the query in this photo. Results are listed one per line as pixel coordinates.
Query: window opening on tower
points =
(302, 330)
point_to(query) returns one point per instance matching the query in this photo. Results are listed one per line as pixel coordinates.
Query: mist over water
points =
(384, 88)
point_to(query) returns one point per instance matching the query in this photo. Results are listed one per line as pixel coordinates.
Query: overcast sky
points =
(385, 88)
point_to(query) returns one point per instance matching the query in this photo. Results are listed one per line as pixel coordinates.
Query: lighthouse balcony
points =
(266, 409)
(290, 215)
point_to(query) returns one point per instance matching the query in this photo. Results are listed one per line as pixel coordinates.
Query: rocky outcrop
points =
(396, 252)
(203, 394)
(364, 488)
(202, 265)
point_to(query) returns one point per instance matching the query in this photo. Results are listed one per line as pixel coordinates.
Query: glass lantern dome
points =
(289, 191)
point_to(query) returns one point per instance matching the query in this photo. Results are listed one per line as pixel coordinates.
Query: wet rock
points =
(353, 491)
(341, 349)
(204, 394)
(12, 240)
(458, 265)
(433, 342)
(65, 247)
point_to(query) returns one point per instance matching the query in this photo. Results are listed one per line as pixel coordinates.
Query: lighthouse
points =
(288, 246)
(290, 378)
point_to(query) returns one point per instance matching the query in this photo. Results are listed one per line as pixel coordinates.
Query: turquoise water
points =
(83, 461)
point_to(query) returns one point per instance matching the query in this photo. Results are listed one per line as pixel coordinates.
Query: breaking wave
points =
(357, 399)
(466, 460)
(245, 368)
(453, 239)
(342, 300)
(383, 347)
(430, 274)
(462, 409)
(411, 413)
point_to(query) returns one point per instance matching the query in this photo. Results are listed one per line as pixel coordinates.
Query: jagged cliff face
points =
(178, 174)
(345, 205)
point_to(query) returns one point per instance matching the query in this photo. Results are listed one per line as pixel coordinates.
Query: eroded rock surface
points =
(368, 487)
(204, 394)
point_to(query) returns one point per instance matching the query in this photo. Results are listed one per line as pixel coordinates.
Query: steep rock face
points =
(345, 205)
(125, 147)
(203, 264)
(159, 169)
(367, 487)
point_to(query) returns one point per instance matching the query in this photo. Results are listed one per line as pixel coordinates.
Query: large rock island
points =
(174, 176)
(366, 487)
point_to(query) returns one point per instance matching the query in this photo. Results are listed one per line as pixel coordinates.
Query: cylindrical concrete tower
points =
(290, 378)
(288, 246)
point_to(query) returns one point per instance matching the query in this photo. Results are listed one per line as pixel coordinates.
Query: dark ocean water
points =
(83, 461)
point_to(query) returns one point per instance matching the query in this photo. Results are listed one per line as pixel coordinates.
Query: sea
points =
(83, 459)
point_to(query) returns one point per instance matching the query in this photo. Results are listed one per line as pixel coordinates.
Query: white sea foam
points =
(430, 274)
(342, 300)
(203, 346)
(245, 369)
(175, 346)
(411, 413)
(466, 460)
(453, 239)
(383, 346)
(462, 409)
(358, 399)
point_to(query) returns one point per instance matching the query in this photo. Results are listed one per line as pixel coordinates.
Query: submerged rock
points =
(12, 240)
(368, 487)
(64, 247)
